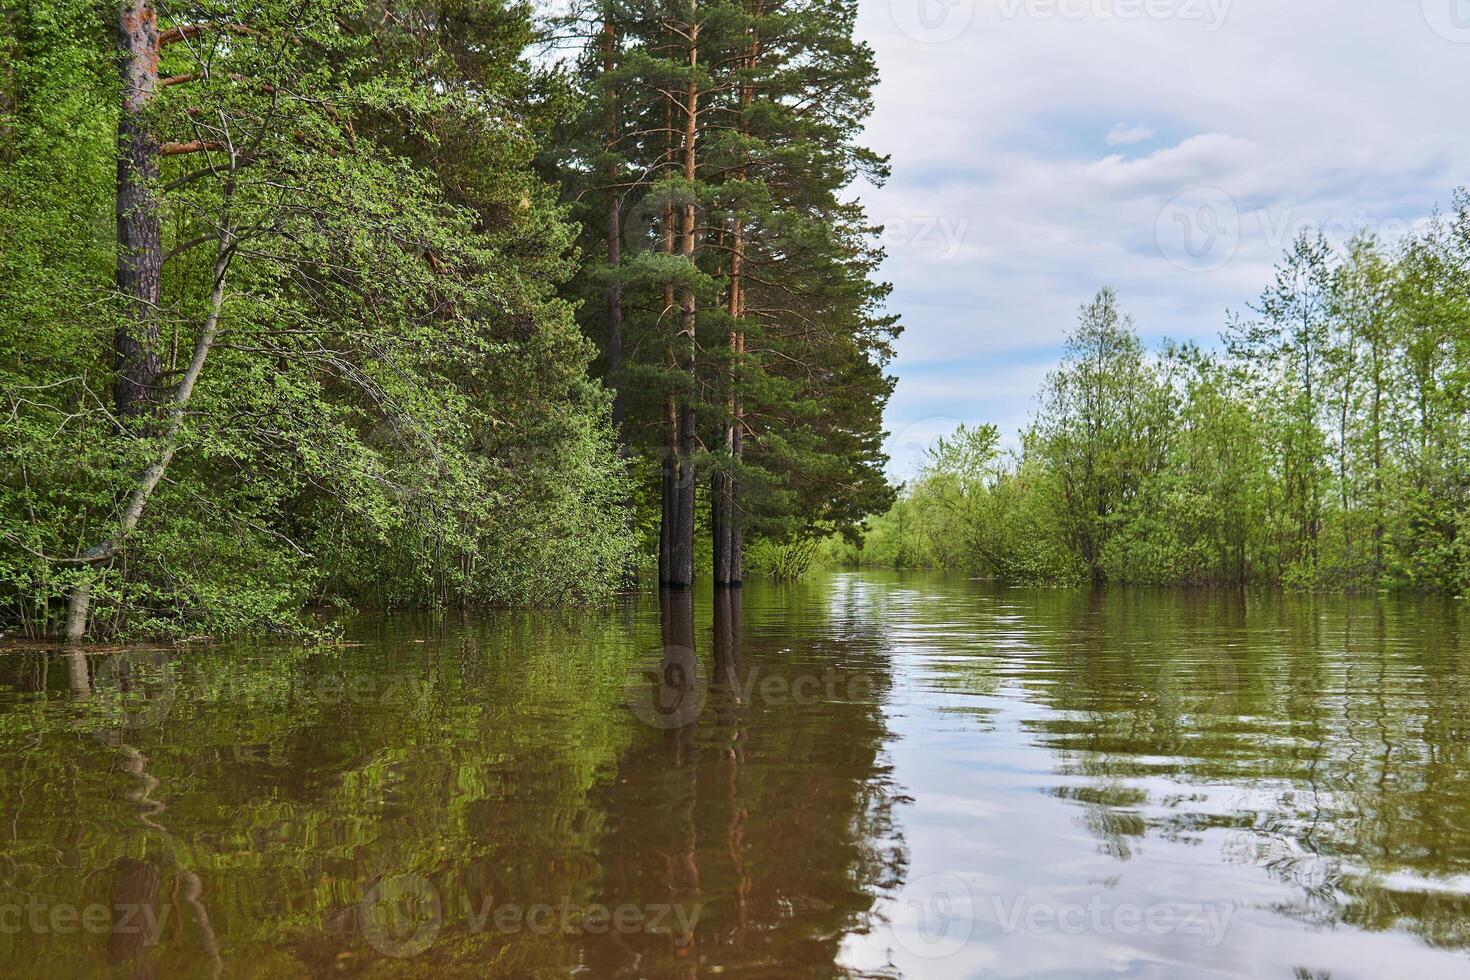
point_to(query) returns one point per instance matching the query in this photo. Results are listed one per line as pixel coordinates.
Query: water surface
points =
(860, 775)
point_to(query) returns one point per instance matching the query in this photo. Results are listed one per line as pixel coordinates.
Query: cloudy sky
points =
(1169, 148)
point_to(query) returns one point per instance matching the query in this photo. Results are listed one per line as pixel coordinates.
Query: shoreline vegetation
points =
(373, 304)
(389, 303)
(1325, 446)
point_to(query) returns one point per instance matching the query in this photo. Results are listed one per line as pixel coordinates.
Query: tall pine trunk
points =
(136, 356)
(668, 492)
(726, 672)
(139, 272)
(729, 545)
(614, 235)
(724, 516)
(681, 545)
(669, 476)
(614, 231)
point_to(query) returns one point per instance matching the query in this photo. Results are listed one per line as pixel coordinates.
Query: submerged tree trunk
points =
(681, 545)
(728, 542)
(680, 698)
(681, 575)
(724, 506)
(136, 357)
(668, 492)
(724, 516)
(669, 473)
(727, 643)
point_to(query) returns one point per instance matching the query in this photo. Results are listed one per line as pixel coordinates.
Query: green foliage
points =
(774, 157)
(396, 408)
(783, 562)
(1324, 448)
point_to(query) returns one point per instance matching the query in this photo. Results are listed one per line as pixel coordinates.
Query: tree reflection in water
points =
(477, 796)
(253, 796)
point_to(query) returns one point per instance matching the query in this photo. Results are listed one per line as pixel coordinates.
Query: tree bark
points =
(681, 546)
(140, 253)
(614, 234)
(79, 602)
(724, 517)
(1377, 418)
(684, 535)
(669, 485)
(724, 507)
(668, 492)
(79, 609)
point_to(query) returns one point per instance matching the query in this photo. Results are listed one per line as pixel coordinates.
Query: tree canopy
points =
(1323, 446)
(358, 302)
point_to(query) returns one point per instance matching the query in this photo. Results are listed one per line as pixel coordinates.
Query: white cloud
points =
(1126, 135)
(1301, 114)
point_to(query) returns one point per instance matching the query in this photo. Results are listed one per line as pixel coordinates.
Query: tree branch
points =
(193, 146)
(176, 34)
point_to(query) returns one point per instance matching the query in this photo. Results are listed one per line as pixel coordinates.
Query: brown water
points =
(864, 774)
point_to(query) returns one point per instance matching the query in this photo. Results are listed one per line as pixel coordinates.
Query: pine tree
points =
(752, 337)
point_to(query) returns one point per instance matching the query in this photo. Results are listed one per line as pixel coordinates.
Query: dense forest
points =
(731, 280)
(1322, 446)
(425, 302)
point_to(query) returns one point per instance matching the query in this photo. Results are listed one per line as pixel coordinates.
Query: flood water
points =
(863, 774)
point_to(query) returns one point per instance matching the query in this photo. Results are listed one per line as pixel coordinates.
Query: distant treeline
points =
(357, 302)
(1326, 445)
